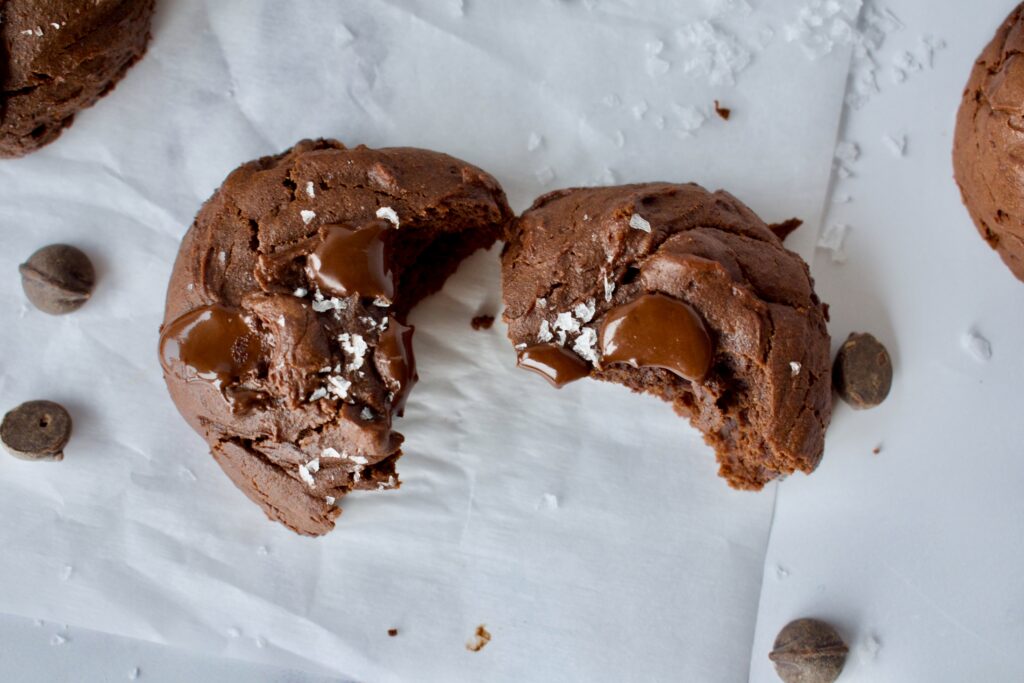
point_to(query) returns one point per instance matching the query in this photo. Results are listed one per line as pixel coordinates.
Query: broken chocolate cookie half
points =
(681, 293)
(285, 343)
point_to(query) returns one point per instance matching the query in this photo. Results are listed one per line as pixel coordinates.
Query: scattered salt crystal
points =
(794, 368)
(844, 172)
(301, 292)
(222, 257)
(870, 646)
(659, 122)
(820, 26)
(656, 66)
(534, 142)
(566, 322)
(307, 216)
(544, 333)
(58, 639)
(781, 572)
(712, 52)
(261, 643)
(562, 337)
(330, 452)
(637, 222)
(322, 305)
(544, 175)
(977, 345)
(262, 551)
(317, 394)
(305, 475)
(366, 414)
(520, 347)
(548, 501)
(381, 302)
(27, 32)
(133, 675)
(359, 459)
(356, 347)
(38, 622)
(357, 475)
(190, 286)
(640, 109)
(388, 214)
(611, 100)
(847, 152)
(842, 199)
(187, 474)
(329, 500)
(281, 320)
(897, 144)
(609, 288)
(542, 302)
(66, 572)
(310, 190)
(586, 345)
(55, 25)
(585, 311)
(234, 633)
(832, 239)
(339, 386)
(690, 119)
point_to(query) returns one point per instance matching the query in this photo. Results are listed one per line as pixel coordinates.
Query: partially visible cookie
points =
(61, 57)
(284, 341)
(988, 147)
(681, 293)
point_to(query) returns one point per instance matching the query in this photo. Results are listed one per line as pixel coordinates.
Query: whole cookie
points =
(684, 294)
(284, 341)
(61, 57)
(988, 147)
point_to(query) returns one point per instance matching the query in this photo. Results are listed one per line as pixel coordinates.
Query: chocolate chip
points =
(392, 632)
(862, 371)
(723, 112)
(37, 430)
(58, 279)
(808, 651)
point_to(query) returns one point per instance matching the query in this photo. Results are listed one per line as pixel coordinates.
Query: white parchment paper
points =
(586, 528)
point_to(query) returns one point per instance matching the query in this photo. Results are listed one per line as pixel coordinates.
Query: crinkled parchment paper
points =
(586, 528)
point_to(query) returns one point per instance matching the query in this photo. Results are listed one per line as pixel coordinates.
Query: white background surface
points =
(917, 547)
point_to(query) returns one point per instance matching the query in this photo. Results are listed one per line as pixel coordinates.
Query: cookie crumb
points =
(723, 112)
(785, 228)
(482, 322)
(480, 639)
(392, 632)
(877, 449)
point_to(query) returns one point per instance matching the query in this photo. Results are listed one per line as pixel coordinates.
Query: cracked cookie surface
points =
(60, 57)
(284, 341)
(988, 146)
(681, 293)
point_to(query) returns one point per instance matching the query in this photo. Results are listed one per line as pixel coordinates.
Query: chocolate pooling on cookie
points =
(285, 343)
(681, 293)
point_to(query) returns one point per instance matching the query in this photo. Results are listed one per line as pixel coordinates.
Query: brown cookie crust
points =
(766, 401)
(247, 250)
(988, 147)
(61, 56)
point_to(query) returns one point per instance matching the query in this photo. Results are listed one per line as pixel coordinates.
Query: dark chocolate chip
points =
(37, 430)
(723, 112)
(58, 279)
(808, 651)
(392, 632)
(862, 371)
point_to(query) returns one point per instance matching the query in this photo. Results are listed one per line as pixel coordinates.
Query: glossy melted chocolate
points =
(657, 331)
(556, 364)
(214, 343)
(353, 261)
(396, 363)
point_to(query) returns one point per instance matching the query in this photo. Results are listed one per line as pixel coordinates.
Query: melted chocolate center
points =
(396, 363)
(353, 261)
(557, 365)
(657, 331)
(214, 343)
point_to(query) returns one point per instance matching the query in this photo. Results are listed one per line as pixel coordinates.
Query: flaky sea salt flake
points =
(339, 386)
(566, 322)
(584, 312)
(310, 190)
(638, 222)
(832, 239)
(794, 368)
(585, 345)
(307, 216)
(977, 346)
(544, 333)
(388, 214)
(897, 144)
(318, 393)
(330, 452)
(609, 288)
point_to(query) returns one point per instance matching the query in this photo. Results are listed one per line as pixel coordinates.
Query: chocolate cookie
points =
(61, 57)
(684, 294)
(987, 148)
(284, 342)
